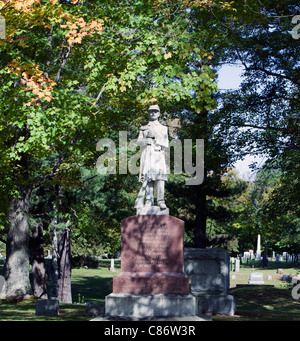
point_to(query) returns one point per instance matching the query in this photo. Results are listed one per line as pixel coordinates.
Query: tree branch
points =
(64, 57)
(255, 126)
(99, 94)
(270, 73)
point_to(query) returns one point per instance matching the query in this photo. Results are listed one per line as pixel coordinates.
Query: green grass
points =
(263, 303)
(242, 277)
(25, 311)
(270, 302)
(93, 284)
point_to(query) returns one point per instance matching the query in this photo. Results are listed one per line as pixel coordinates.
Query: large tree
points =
(263, 114)
(71, 71)
(261, 117)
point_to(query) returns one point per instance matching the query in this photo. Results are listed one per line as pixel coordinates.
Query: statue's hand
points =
(150, 140)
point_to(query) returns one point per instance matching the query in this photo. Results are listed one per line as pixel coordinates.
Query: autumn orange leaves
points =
(26, 14)
(78, 28)
(34, 80)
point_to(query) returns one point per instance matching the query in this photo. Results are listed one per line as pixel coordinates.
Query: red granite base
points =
(151, 283)
(151, 256)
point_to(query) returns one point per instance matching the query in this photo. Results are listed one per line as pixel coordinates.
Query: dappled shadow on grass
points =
(25, 311)
(92, 288)
(262, 303)
(87, 283)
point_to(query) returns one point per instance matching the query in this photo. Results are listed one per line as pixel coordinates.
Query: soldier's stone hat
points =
(154, 107)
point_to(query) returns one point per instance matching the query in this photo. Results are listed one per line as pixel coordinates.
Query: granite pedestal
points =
(149, 305)
(151, 256)
(151, 282)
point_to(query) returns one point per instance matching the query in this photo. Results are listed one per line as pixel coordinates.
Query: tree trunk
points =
(200, 221)
(200, 203)
(60, 272)
(37, 261)
(64, 266)
(53, 268)
(17, 284)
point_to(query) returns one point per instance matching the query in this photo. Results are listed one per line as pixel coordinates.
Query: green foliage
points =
(253, 211)
(72, 73)
(263, 114)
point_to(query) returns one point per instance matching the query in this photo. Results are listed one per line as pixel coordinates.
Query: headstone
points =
(277, 258)
(256, 278)
(237, 265)
(47, 307)
(269, 277)
(209, 272)
(208, 269)
(258, 251)
(2, 281)
(49, 256)
(94, 309)
(286, 278)
(232, 261)
(112, 265)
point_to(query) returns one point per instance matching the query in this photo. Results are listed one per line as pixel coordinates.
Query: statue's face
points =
(154, 114)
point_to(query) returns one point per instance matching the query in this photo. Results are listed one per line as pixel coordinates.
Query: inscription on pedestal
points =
(152, 244)
(152, 256)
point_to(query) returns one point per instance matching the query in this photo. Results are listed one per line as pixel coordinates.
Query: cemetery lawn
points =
(88, 285)
(269, 302)
(263, 303)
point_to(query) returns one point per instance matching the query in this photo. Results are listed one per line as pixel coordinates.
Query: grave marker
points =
(256, 278)
(47, 307)
(2, 281)
(112, 265)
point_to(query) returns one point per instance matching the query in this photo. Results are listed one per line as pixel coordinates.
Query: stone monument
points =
(153, 139)
(47, 307)
(152, 256)
(151, 282)
(209, 272)
(256, 278)
(2, 282)
(258, 251)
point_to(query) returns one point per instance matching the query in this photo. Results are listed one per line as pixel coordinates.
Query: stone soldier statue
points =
(153, 139)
